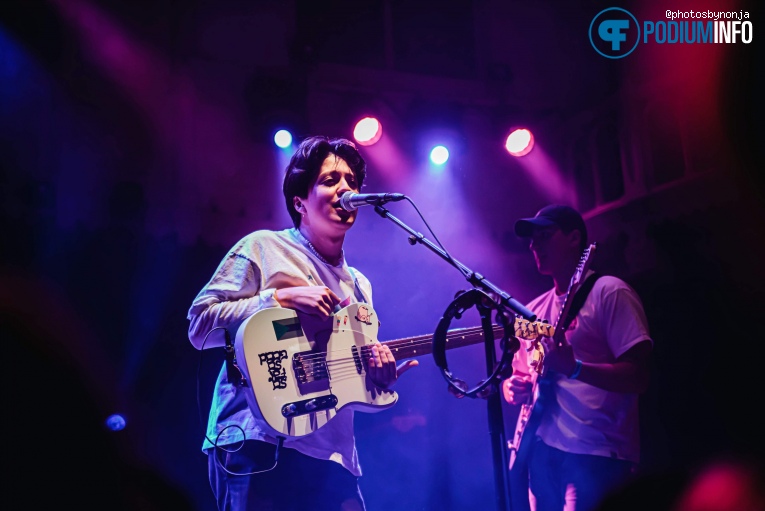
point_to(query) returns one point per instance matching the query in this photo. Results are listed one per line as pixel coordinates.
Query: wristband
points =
(577, 370)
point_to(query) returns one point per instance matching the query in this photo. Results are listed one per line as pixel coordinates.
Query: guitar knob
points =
(311, 405)
(288, 410)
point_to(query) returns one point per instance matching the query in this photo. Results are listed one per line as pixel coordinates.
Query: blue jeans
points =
(298, 482)
(573, 482)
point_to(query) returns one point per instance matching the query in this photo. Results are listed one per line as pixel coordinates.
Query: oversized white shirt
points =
(243, 284)
(584, 419)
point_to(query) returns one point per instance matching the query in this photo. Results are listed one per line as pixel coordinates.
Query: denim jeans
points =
(573, 482)
(297, 483)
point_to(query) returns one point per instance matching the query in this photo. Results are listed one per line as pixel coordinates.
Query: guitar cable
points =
(242, 382)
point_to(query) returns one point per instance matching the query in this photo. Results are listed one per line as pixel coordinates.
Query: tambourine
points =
(509, 343)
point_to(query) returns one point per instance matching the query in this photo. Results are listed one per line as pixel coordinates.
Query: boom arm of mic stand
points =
(476, 279)
(496, 422)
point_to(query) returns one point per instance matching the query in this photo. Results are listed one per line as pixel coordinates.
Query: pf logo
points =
(614, 33)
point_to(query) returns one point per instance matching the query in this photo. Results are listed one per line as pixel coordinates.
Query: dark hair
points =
(305, 164)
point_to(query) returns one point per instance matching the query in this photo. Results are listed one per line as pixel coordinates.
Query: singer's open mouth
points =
(345, 216)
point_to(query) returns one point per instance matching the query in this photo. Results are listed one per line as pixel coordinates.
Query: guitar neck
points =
(576, 282)
(417, 346)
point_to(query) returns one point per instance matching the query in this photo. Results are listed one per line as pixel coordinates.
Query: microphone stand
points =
(502, 299)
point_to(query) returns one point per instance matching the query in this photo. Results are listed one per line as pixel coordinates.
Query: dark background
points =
(135, 149)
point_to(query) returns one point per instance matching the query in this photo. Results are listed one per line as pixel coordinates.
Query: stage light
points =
(520, 142)
(367, 131)
(283, 138)
(116, 422)
(439, 155)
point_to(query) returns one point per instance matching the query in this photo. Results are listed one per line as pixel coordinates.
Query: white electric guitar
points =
(301, 371)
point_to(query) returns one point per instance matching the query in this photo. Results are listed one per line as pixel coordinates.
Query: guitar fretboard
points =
(417, 346)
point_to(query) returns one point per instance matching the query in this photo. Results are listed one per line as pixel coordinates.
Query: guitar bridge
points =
(310, 367)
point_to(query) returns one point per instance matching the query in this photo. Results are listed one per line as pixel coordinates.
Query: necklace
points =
(316, 252)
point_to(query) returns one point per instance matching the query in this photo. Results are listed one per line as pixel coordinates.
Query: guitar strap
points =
(359, 293)
(579, 299)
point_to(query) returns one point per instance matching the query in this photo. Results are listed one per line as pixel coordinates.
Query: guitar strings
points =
(420, 341)
(531, 330)
(336, 368)
(416, 341)
(347, 366)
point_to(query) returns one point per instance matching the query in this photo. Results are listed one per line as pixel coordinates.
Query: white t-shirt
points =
(243, 284)
(585, 419)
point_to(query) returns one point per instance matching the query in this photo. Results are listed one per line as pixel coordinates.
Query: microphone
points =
(350, 201)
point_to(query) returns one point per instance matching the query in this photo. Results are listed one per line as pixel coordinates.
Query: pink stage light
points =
(367, 131)
(520, 142)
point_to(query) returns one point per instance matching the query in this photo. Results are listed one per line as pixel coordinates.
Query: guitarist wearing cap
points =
(577, 436)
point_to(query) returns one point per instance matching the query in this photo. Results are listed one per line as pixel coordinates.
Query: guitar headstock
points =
(582, 267)
(530, 330)
(533, 331)
(576, 280)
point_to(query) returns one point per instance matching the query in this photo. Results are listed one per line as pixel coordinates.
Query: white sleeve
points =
(232, 294)
(623, 319)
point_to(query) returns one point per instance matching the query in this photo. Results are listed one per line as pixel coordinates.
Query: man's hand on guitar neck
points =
(316, 300)
(382, 368)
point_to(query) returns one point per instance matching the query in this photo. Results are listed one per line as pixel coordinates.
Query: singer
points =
(302, 268)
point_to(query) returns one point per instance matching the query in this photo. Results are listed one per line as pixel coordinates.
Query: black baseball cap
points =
(565, 217)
